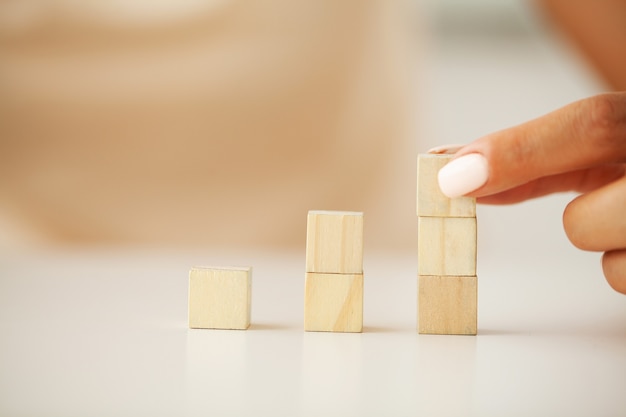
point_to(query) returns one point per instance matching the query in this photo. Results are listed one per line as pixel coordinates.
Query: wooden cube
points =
(446, 246)
(447, 305)
(431, 201)
(219, 298)
(334, 242)
(333, 302)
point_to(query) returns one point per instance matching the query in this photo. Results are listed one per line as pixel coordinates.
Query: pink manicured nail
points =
(463, 175)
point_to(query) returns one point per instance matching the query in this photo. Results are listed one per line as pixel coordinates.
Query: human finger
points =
(581, 135)
(614, 268)
(581, 181)
(596, 221)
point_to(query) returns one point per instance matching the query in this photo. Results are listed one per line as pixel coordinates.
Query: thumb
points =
(582, 135)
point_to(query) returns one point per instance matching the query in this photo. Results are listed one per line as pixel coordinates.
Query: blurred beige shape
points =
(212, 123)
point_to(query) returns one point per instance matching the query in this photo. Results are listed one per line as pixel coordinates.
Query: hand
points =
(580, 147)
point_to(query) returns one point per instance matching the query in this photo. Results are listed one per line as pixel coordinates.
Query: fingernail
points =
(446, 149)
(463, 175)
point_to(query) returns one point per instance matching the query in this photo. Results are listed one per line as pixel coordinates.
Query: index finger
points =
(581, 135)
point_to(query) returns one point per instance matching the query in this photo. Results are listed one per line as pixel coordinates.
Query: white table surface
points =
(101, 333)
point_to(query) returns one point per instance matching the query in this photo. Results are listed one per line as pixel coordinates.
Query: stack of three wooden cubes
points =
(447, 293)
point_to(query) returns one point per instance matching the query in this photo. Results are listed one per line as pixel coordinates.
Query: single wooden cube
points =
(446, 246)
(334, 242)
(447, 305)
(219, 298)
(431, 201)
(333, 303)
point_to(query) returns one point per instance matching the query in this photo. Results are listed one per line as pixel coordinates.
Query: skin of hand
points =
(580, 147)
(598, 29)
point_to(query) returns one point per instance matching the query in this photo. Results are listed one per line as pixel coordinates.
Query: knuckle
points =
(605, 116)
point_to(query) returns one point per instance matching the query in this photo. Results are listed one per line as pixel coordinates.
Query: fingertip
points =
(569, 226)
(614, 268)
(463, 175)
(575, 227)
(445, 149)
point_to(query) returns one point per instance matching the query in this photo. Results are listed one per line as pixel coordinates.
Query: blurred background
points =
(222, 122)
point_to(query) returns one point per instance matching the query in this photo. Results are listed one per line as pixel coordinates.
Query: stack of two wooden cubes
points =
(447, 300)
(333, 299)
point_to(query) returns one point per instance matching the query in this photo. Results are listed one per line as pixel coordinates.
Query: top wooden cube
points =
(334, 242)
(431, 202)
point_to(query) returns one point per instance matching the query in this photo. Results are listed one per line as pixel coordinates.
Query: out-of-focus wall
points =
(212, 123)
